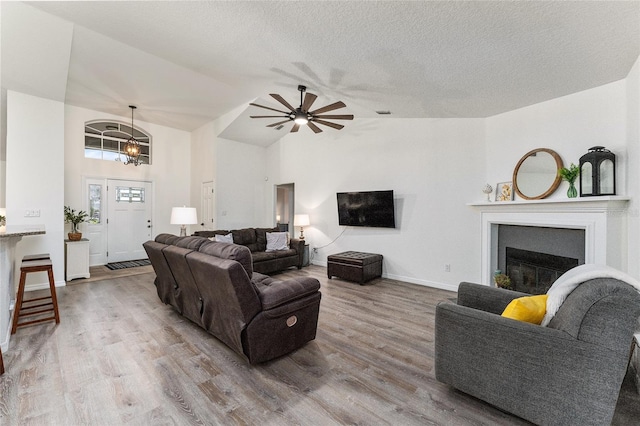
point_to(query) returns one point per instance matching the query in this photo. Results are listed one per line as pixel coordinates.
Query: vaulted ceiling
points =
(187, 63)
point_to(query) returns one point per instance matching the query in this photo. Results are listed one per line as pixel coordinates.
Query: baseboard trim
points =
(43, 286)
(426, 283)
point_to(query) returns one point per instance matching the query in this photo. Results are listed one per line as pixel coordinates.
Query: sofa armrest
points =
(485, 298)
(277, 293)
(298, 246)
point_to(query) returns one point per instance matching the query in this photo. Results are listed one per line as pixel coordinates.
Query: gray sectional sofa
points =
(255, 239)
(214, 285)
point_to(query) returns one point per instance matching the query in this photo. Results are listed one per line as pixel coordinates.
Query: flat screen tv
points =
(369, 208)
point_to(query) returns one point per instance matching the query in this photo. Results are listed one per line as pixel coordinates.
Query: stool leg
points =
(16, 311)
(1, 363)
(54, 298)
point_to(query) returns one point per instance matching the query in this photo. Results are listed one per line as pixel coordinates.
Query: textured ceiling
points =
(186, 63)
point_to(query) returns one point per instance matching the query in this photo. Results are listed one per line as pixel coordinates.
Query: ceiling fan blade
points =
(282, 101)
(266, 116)
(337, 117)
(313, 127)
(266, 107)
(326, 123)
(331, 107)
(309, 98)
(295, 128)
(278, 123)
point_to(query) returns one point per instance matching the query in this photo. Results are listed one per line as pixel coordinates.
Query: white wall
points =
(35, 176)
(169, 171)
(633, 167)
(433, 167)
(241, 185)
(569, 125)
(238, 171)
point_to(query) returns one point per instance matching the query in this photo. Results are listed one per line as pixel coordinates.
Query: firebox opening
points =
(534, 273)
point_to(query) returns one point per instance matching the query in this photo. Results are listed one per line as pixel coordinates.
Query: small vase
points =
(572, 192)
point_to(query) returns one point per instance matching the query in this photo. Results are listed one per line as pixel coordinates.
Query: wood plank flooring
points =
(120, 356)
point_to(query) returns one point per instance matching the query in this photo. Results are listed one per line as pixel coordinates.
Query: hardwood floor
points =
(119, 356)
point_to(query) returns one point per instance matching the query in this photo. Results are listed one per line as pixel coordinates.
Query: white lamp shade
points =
(184, 216)
(301, 220)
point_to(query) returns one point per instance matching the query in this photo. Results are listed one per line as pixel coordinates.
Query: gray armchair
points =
(568, 373)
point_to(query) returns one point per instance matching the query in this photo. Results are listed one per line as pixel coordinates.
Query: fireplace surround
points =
(603, 220)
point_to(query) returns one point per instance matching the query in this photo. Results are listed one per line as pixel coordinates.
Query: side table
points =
(76, 259)
(305, 255)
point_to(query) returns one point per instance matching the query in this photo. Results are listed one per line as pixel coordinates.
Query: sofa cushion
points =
(273, 293)
(245, 237)
(168, 239)
(261, 256)
(222, 238)
(192, 243)
(277, 241)
(261, 237)
(229, 251)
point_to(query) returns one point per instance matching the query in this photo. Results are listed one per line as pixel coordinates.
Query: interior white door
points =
(95, 230)
(129, 220)
(208, 206)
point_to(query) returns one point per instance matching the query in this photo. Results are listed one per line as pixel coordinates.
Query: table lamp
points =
(301, 220)
(183, 216)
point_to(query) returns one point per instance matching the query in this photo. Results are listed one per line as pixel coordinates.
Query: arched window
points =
(105, 140)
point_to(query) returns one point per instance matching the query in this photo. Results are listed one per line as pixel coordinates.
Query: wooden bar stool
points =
(29, 265)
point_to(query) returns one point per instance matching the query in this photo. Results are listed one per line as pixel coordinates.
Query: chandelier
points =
(132, 146)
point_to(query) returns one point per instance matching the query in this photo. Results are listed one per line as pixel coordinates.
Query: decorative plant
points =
(570, 175)
(502, 281)
(70, 216)
(3, 220)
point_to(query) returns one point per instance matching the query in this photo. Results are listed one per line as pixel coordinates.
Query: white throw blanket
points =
(571, 279)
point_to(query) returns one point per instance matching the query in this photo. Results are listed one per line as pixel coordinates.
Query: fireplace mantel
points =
(604, 220)
(615, 202)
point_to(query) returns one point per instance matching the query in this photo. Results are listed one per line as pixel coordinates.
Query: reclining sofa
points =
(255, 239)
(213, 285)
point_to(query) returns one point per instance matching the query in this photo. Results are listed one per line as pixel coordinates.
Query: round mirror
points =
(536, 174)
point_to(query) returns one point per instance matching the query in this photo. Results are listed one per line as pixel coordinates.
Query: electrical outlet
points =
(447, 267)
(315, 249)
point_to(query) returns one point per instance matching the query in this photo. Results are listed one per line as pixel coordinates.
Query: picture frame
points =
(504, 191)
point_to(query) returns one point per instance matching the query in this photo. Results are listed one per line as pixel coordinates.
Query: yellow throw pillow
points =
(529, 309)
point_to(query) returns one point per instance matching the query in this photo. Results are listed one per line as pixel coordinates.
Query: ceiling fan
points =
(301, 115)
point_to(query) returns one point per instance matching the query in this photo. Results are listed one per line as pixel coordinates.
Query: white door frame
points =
(207, 205)
(98, 236)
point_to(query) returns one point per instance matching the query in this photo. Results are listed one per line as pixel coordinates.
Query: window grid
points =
(105, 140)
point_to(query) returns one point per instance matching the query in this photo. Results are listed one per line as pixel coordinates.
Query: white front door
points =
(208, 206)
(129, 223)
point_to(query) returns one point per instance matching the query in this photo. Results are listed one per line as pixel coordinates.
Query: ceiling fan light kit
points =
(302, 116)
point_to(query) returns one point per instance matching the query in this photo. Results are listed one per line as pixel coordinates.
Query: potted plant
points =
(503, 281)
(570, 175)
(70, 216)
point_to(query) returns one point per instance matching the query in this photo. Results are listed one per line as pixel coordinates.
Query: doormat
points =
(128, 264)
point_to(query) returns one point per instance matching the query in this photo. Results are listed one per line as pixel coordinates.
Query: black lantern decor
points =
(598, 172)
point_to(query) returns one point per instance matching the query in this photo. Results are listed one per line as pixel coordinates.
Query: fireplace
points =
(534, 272)
(601, 220)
